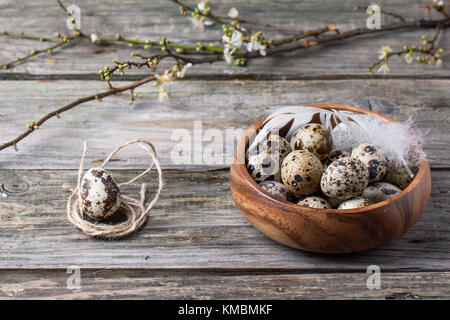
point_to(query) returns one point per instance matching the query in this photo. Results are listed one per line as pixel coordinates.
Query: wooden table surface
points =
(196, 244)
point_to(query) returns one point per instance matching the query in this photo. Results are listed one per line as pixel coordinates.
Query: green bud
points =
(133, 54)
(146, 47)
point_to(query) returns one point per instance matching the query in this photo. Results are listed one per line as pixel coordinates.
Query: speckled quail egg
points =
(314, 202)
(100, 196)
(397, 174)
(344, 178)
(301, 172)
(314, 138)
(334, 155)
(275, 145)
(277, 189)
(263, 166)
(374, 159)
(354, 203)
(380, 191)
(344, 135)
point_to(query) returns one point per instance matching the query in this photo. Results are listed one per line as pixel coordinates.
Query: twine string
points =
(135, 210)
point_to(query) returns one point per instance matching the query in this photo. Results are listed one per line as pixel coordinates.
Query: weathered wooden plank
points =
(195, 284)
(195, 225)
(153, 19)
(220, 105)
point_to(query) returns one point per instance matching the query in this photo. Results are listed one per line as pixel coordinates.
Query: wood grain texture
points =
(196, 244)
(329, 231)
(220, 105)
(153, 19)
(216, 284)
(194, 225)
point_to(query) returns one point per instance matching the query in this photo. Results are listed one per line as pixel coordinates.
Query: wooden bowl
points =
(327, 230)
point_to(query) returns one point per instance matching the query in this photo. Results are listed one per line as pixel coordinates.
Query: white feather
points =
(394, 138)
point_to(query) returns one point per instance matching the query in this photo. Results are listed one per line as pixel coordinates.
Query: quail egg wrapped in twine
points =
(81, 202)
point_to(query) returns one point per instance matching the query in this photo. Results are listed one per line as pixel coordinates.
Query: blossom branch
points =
(35, 52)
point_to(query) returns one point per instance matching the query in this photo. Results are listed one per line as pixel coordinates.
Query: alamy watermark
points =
(74, 280)
(374, 280)
(73, 22)
(374, 19)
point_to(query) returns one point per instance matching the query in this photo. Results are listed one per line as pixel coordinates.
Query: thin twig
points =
(388, 13)
(64, 8)
(33, 53)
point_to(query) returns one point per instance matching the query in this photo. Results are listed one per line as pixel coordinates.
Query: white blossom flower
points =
(227, 55)
(182, 73)
(384, 52)
(231, 44)
(233, 13)
(163, 95)
(202, 5)
(384, 68)
(198, 23)
(408, 58)
(235, 42)
(438, 62)
(94, 38)
(255, 45)
(163, 79)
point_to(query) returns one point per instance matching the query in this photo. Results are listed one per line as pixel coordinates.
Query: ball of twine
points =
(135, 211)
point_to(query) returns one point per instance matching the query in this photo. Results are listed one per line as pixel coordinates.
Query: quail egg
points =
(314, 202)
(380, 191)
(354, 203)
(344, 178)
(275, 145)
(100, 196)
(277, 189)
(263, 166)
(397, 174)
(334, 155)
(374, 159)
(314, 138)
(301, 172)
